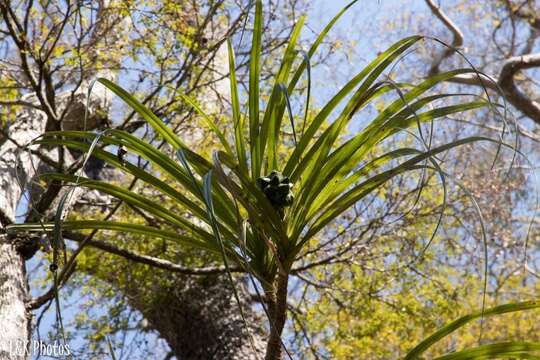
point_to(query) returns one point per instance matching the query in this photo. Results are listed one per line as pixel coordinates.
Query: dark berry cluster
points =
(277, 189)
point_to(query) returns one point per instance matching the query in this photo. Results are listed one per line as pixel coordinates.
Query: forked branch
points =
(505, 81)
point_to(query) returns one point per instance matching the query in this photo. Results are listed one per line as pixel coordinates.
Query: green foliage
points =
(384, 313)
(229, 210)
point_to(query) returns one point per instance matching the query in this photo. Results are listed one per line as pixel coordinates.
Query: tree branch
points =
(516, 97)
(20, 103)
(504, 82)
(457, 40)
(148, 260)
(522, 13)
(37, 302)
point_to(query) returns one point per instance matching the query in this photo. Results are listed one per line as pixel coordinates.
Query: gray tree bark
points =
(199, 318)
(14, 319)
(18, 165)
(15, 166)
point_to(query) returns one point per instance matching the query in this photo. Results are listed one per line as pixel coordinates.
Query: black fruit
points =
(277, 189)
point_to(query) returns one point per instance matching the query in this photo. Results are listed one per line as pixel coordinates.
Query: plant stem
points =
(277, 307)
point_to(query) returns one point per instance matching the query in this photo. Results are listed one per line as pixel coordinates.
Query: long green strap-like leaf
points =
(206, 192)
(237, 116)
(315, 157)
(462, 321)
(138, 201)
(377, 130)
(295, 159)
(308, 171)
(148, 178)
(254, 78)
(339, 187)
(371, 132)
(159, 126)
(209, 122)
(503, 350)
(262, 228)
(358, 192)
(131, 169)
(316, 44)
(351, 151)
(271, 124)
(251, 198)
(117, 226)
(327, 189)
(223, 205)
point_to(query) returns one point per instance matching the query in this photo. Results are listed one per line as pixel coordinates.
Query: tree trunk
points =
(16, 168)
(200, 319)
(15, 321)
(198, 316)
(277, 307)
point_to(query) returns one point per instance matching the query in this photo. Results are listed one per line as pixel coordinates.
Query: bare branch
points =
(504, 82)
(148, 260)
(531, 271)
(516, 97)
(37, 302)
(482, 80)
(457, 40)
(20, 103)
(529, 15)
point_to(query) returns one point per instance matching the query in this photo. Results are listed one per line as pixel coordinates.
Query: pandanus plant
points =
(258, 211)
